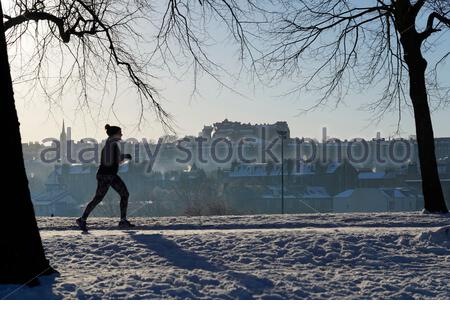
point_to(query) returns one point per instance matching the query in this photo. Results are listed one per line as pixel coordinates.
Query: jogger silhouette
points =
(107, 177)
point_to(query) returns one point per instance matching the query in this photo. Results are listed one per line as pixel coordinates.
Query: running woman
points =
(107, 177)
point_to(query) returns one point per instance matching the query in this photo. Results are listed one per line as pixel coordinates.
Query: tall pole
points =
(282, 134)
(282, 175)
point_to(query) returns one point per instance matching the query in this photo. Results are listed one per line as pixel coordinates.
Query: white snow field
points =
(303, 256)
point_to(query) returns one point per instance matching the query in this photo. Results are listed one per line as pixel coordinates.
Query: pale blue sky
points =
(213, 104)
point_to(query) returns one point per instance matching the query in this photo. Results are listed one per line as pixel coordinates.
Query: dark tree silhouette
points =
(22, 254)
(363, 45)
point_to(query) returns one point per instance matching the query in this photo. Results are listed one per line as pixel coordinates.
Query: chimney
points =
(324, 134)
(69, 134)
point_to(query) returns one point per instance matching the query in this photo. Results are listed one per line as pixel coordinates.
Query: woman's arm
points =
(125, 156)
(120, 157)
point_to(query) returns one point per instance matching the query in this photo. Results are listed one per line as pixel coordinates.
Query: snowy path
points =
(330, 231)
(350, 256)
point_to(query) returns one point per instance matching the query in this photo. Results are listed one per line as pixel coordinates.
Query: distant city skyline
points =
(369, 133)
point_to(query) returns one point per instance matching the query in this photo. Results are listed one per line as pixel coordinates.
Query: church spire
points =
(63, 144)
(63, 132)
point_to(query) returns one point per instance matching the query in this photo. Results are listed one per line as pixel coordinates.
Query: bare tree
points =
(23, 257)
(103, 43)
(97, 43)
(363, 45)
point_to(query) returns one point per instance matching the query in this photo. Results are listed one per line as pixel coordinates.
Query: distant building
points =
(66, 145)
(334, 177)
(416, 184)
(235, 130)
(442, 147)
(315, 199)
(375, 200)
(270, 200)
(266, 198)
(444, 167)
(376, 179)
(55, 201)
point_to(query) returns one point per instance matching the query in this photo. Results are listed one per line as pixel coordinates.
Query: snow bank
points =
(314, 256)
(440, 236)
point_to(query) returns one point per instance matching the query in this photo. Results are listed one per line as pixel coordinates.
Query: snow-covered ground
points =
(304, 256)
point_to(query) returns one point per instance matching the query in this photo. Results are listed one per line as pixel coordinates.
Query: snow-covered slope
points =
(313, 256)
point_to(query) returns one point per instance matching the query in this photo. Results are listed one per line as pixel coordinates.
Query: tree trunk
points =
(431, 186)
(22, 257)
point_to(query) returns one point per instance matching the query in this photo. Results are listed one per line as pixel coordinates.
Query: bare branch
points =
(430, 21)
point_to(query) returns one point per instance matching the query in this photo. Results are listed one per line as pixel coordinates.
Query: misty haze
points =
(235, 168)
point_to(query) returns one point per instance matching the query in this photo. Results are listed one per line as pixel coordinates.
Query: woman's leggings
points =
(104, 181)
